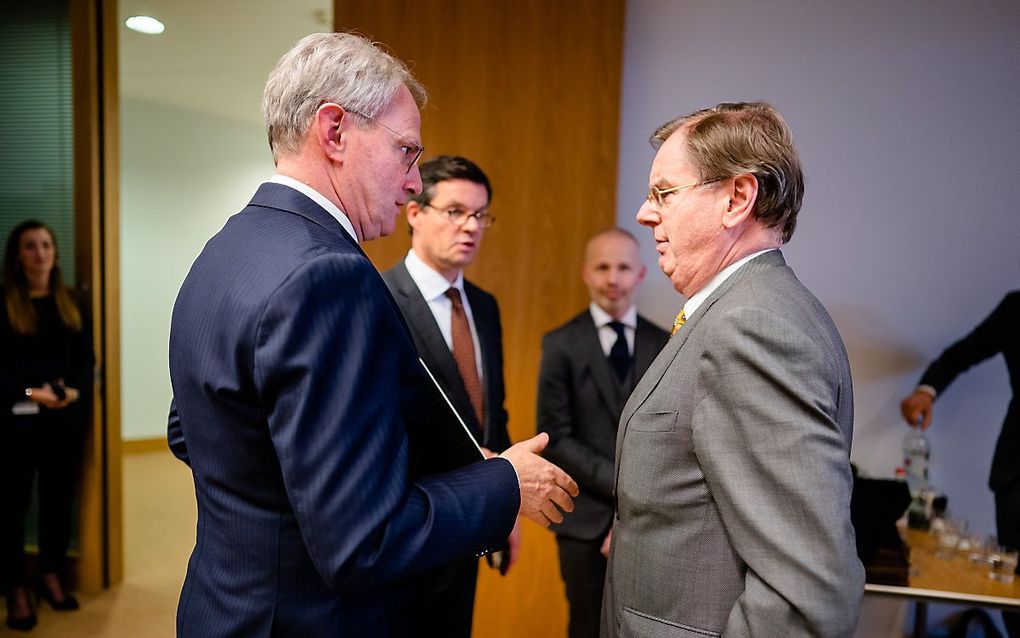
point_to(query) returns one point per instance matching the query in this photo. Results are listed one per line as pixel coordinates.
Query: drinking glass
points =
(975, 548)
(1002, 560)
(952, 530)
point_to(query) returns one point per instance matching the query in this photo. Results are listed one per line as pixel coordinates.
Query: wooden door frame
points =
(93, 27)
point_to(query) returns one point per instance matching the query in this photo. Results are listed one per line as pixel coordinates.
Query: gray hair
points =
(344, 68)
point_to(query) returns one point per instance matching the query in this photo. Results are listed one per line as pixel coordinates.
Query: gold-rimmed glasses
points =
(657, 196)
(412, 152)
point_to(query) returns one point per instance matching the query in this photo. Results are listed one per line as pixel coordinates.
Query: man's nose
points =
(647, 216)
(412, 181)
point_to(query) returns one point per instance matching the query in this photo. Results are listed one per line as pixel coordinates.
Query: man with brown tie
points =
(456, 328)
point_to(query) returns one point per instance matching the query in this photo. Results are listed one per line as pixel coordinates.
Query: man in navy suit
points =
(456, 328)
(297, 385)
(590, 365)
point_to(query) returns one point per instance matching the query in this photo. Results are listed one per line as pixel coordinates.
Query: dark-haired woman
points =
(45, 366)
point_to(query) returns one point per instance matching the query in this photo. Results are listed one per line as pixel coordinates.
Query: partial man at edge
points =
(998, 333)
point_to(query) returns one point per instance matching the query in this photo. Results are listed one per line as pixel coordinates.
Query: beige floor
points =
(159, 532)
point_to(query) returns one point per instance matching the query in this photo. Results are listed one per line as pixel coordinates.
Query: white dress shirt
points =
(607, 336)
(433, 287)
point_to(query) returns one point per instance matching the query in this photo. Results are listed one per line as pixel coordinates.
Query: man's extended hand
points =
(917, 405)
(543, 485)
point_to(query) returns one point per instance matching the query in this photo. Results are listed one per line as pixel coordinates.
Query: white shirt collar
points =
(431, 284)
(699, 297)
(602, 318)
(319, 199)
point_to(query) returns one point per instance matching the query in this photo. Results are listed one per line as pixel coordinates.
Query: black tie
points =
(619, 355)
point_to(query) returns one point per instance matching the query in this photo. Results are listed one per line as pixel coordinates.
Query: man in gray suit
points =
(589, 367)
(732, 460)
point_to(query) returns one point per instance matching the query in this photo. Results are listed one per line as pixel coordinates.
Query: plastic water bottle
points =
(916, 452)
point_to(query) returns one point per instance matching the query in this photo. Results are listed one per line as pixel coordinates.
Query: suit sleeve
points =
(986, 340)
(175, 435)
(328, 372)
(556, 417)
(777, 465)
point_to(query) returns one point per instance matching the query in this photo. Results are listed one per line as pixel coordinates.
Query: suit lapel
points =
(432, 346)
(601, 372)
(658, 368)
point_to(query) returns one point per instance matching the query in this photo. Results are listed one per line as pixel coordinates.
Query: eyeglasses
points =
(657, 196)
(412, 152)
(459, 216)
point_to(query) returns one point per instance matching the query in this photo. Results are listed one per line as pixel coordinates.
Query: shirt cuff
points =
(927, 389)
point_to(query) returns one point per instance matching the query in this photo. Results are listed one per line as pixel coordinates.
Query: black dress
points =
(48, 443)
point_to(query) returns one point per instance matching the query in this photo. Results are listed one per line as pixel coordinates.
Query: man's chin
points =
(384, 230)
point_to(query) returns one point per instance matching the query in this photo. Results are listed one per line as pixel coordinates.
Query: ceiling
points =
(215, 54)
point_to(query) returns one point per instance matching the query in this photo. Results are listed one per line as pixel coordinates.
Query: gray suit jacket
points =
(733, 474)
(579, 404)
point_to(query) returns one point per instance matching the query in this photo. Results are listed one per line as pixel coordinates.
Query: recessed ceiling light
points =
(145, 24)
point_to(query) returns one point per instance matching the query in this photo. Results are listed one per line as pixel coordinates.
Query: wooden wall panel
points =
(529, 90)
(96, 193)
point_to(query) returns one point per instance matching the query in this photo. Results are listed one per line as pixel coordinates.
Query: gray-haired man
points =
(297, 384)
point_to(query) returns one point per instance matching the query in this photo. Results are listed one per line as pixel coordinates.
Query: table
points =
(933, 579)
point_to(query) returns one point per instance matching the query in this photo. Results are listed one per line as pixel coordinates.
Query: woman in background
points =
(45, 365)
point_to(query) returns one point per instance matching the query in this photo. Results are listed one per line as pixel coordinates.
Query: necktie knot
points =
(679, 322)
(454, 296)
(618, 329)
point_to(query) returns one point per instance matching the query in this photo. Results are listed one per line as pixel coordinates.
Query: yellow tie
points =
(678, 322)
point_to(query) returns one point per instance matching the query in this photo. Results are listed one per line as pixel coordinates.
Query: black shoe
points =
(70, 603)
(25, 623)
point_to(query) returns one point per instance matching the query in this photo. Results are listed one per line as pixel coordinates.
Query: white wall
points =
(183, 173)
(905, 114)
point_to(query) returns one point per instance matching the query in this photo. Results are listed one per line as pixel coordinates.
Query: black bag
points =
(875, 506)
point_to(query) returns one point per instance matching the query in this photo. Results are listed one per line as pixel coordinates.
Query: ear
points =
(642, 273)
(329, 128)
(413, 211)
(742, 195)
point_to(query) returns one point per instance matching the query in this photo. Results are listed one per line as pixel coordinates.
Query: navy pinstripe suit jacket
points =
(295, 382)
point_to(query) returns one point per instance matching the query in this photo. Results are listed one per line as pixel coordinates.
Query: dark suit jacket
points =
(433, 349)
(579, 403)
(998, 333)
(296, 383)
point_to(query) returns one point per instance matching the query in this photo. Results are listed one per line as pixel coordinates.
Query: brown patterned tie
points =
(464, 355)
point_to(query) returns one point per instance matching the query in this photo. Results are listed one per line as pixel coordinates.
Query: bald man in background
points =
(589, 367)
